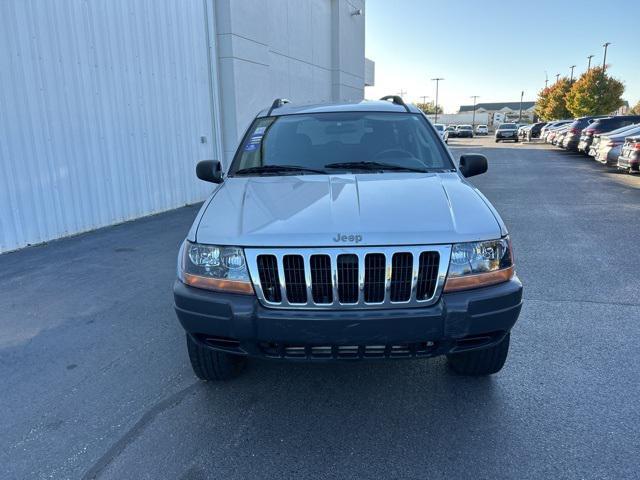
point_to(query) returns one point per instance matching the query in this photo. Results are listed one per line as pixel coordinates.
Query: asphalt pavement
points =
(95, 381)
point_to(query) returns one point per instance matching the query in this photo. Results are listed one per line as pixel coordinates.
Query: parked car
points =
(482, 130)
(506, 131)
(449, 132)
(521, 130)
(440, 129)
(604, 125)
(264, 273)
(557, 134)
(535, 130)
(571, 138)
(464, 131)
(549, 127)
(595, 143)
(629, 158)
(610, 147)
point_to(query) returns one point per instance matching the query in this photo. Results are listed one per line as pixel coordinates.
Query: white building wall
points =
(102, 110)
(306, 51)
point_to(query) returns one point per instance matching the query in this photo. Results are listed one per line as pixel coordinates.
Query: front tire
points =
(486, 361)
(212, 365)
(497, 140)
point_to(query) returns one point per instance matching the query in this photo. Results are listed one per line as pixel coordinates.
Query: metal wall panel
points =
(103, 104)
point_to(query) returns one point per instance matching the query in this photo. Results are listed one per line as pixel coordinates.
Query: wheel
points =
(212, 365)
(480, 362)
(497, 140)
(516, 140)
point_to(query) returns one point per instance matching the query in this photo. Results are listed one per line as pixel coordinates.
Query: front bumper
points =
(506, 136)
(239, 324)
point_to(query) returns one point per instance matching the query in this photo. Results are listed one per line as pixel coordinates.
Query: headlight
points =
(479, 264)
(213, 267)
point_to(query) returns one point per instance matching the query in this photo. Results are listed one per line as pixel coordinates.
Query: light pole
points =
(571, 79)
(437, 80)
(473, 122)
(589, 65)
(424, 99)
(557, 77)
(604, 60)
(520, 114)
(402, 93)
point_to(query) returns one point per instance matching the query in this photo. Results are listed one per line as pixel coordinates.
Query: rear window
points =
(464, 127)
(315, 140)
(438, 127)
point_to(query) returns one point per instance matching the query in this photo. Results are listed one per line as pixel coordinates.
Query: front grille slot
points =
(374, 277)
(295, 283)
(348, 278)
(321, 283)
(401, 274)
(427, 274)
(268, 273)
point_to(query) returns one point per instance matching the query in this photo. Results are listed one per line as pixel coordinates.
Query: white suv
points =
(482, 130)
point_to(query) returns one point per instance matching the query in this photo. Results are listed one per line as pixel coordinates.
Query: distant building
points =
(501, 112)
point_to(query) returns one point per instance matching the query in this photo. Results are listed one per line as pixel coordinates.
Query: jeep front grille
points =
(358, 277)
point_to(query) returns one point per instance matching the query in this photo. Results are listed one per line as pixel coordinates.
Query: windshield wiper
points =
(374, 166)
(276, 169)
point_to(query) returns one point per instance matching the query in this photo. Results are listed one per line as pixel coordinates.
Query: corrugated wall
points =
(103, 104)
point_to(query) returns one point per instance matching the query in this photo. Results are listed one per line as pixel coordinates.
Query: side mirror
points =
(473, 164)
(209, 171)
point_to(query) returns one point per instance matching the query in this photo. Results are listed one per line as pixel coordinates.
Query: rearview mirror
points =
(209, 171)
(473, 164)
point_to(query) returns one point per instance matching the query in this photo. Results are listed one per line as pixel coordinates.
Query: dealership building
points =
(107, 106)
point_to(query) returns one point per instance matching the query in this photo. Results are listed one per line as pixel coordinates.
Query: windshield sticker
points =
(254, 142)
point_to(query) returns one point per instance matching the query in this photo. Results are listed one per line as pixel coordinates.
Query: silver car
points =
(345, 231)
(610, 146)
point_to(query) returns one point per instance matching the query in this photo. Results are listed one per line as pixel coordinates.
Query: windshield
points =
(507, 126)
(322, 141)
(439, 127)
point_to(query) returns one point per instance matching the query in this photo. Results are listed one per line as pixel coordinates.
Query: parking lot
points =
(96, 381)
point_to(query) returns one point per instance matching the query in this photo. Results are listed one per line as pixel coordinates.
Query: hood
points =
(348, 209)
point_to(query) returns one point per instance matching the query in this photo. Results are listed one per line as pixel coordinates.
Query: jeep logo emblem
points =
(347, 238)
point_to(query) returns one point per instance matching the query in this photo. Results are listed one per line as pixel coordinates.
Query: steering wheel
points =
(392, 152)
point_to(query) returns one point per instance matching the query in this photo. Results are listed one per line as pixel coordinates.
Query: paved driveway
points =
(95, 381)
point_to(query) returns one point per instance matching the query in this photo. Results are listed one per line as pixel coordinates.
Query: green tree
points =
(635, 110)
(595, 93)
(551, 103)
(429, 108)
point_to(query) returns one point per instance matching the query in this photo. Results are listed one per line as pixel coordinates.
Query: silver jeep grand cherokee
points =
(346, 231)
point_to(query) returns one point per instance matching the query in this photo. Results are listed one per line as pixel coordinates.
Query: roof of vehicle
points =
(362, 106)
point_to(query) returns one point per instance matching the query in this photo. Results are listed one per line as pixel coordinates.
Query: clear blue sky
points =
(496, 49)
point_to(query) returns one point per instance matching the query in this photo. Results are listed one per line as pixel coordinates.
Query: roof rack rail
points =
(396, 100)
(277, 103)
